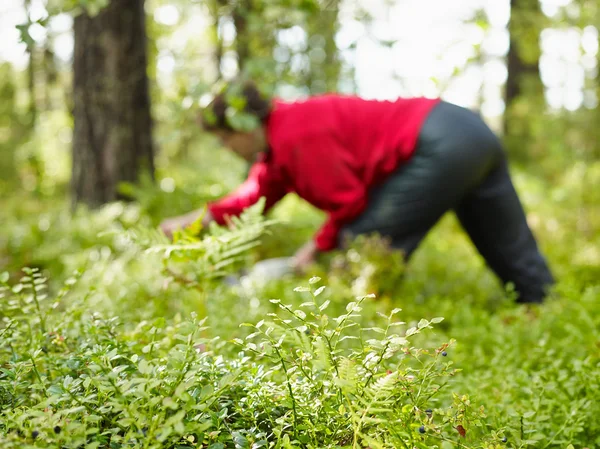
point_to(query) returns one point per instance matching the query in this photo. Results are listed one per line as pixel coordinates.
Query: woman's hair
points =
(239, 106)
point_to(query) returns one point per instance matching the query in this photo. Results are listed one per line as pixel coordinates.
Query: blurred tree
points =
(215, 8)
(524, 51)
(526, 23)
(242, 10)
(31, 52)
(323, 74)
(14, 126)
(112, 139)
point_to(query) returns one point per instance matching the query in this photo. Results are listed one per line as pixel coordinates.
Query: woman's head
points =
(237, 116)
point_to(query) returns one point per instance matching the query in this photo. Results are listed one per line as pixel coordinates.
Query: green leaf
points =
(241, 121)
(144, 367)
(423, 323)
(240, 441)
(324, 305)
(4, 277)
(169, 403)
(300, 314)
(411, 331)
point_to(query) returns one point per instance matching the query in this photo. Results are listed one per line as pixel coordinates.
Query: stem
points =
(94, 411)
(37, 305)
(37, 373)
(558, 432)
(186, 366)
(387, 345)
(522, 429)
(6, 329)
(289, 385)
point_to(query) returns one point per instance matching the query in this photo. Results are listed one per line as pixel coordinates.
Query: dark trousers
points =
(459, 165)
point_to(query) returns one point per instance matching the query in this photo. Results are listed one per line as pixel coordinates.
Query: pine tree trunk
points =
(32, 106)
(323, 75)
(240, 15)
(524, 53)
(215, 12)
(112, 135)
(332, 62)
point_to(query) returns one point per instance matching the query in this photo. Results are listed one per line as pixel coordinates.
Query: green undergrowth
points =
(145, 347)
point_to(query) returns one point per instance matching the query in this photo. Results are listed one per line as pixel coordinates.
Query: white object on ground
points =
(271, 269)
(263, 271)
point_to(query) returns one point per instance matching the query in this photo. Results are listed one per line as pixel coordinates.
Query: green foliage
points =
(534, 371)
(369, 265)
(14, 127)
(75, 378)
(196, 260)
(236, 114)
(89, 7)
(311, 369)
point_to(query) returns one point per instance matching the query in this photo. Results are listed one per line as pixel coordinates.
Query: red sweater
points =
(330, 150)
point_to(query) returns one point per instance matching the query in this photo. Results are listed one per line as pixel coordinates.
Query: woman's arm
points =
(263, 181)
(305, 256)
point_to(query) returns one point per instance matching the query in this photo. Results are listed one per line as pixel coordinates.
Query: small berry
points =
(35, 434)
(444, 353)
(57, 429)
(429, 411)
(422, 429)
(504, 440)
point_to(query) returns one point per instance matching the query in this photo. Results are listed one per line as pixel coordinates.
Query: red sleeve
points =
(341, 187)
(326, 237)
(263, 180)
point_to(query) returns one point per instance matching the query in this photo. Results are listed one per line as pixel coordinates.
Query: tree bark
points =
(324, 75)
(32, 106)
(215, 10)
(240, 14)
(524, 52)
(112, 139)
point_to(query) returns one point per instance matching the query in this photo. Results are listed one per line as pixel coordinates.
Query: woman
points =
(377, 166)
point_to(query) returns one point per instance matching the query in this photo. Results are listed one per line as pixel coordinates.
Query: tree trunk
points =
(323, 74)
(32, 110)
(112, 139)
(524, 53)
(240, 15)
(332, 63)
(216, 13)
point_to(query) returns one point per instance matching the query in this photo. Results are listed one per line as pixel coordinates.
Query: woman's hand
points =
(305, 257)
(170, 225)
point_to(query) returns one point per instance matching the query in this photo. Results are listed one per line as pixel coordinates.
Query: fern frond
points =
(216, 253)
(348, 379)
